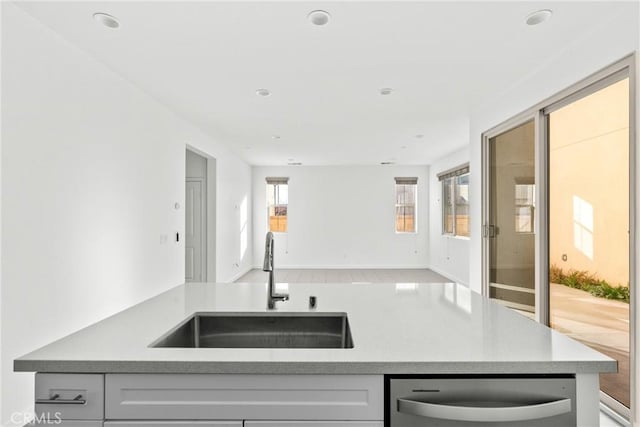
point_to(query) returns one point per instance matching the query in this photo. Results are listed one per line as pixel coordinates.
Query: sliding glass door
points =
(589, 293)
(511, 226)
(558, 209)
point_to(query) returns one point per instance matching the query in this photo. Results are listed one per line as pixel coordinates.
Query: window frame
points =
(275, 183)
(531, 207)
(450, 178)
(406, 182)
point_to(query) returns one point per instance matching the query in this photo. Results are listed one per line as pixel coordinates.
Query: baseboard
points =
(448, 276)
(348, 267)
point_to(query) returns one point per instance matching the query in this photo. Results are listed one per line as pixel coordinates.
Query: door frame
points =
(506, 126)
(538, 112)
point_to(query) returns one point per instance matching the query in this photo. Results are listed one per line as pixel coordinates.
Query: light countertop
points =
(402, 328)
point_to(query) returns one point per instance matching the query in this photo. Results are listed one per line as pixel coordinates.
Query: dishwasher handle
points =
(484, 414)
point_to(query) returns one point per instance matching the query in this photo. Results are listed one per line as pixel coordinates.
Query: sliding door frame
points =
(624, 68)
(519, 120)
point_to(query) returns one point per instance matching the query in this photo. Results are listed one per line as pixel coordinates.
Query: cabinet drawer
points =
(67, 423)
(247, 397)
(173, 423)
(86, 389)
(314, 424)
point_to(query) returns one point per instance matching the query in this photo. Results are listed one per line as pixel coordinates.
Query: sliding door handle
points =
(484, 414)
(489, 231)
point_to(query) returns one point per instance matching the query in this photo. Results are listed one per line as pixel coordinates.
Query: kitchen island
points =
(396, 329)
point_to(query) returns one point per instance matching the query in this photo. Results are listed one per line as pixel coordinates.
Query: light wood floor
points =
(347, 276)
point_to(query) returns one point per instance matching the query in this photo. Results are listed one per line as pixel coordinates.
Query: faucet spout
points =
(272, 296)
(268, 253)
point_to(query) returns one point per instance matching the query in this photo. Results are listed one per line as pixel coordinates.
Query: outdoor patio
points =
(600, 323)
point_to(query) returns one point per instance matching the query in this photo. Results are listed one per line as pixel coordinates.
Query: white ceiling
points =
(205, 60)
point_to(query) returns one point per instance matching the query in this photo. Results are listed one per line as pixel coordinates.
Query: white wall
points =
(233, 218)
(1, 359)
(449, 255)
(342, 217)
(91, 170)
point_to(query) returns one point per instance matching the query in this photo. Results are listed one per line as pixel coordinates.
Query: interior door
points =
(510, 227)
(193, 231)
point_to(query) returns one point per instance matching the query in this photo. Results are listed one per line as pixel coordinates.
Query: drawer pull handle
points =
(55, 400)
(484, 414)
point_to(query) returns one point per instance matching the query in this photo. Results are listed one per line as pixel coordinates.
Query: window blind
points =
(457, 171)
(406, 181)
(277, 180)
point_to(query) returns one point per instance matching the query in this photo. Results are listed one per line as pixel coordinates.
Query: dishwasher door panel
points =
(486, 402)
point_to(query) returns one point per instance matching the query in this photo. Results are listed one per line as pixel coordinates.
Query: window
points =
(455, 201)
(406, 197)
(277, 203)
(525, 208)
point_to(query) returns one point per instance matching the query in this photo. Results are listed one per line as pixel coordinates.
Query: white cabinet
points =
(244, 397)
(173, 423)
(66, 423)
(314, 424)
(210, 400)
(70, 397)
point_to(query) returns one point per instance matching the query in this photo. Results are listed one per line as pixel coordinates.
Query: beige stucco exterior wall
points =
(589, 184)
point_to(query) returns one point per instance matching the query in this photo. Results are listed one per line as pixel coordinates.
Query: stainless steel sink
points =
(260, 330)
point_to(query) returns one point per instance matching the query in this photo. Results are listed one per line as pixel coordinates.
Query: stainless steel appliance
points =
(480, 400)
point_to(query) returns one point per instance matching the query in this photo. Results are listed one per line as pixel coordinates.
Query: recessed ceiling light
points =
(386, 91)
(538, 17)
(263, 92)
(106, 20)
(319, 17)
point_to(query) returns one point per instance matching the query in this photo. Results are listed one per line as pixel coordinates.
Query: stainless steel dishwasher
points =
(480, 400)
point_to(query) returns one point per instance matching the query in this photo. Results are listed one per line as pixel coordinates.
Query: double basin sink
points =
(260, 330)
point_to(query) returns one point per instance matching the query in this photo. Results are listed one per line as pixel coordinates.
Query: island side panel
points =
(588, 400)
